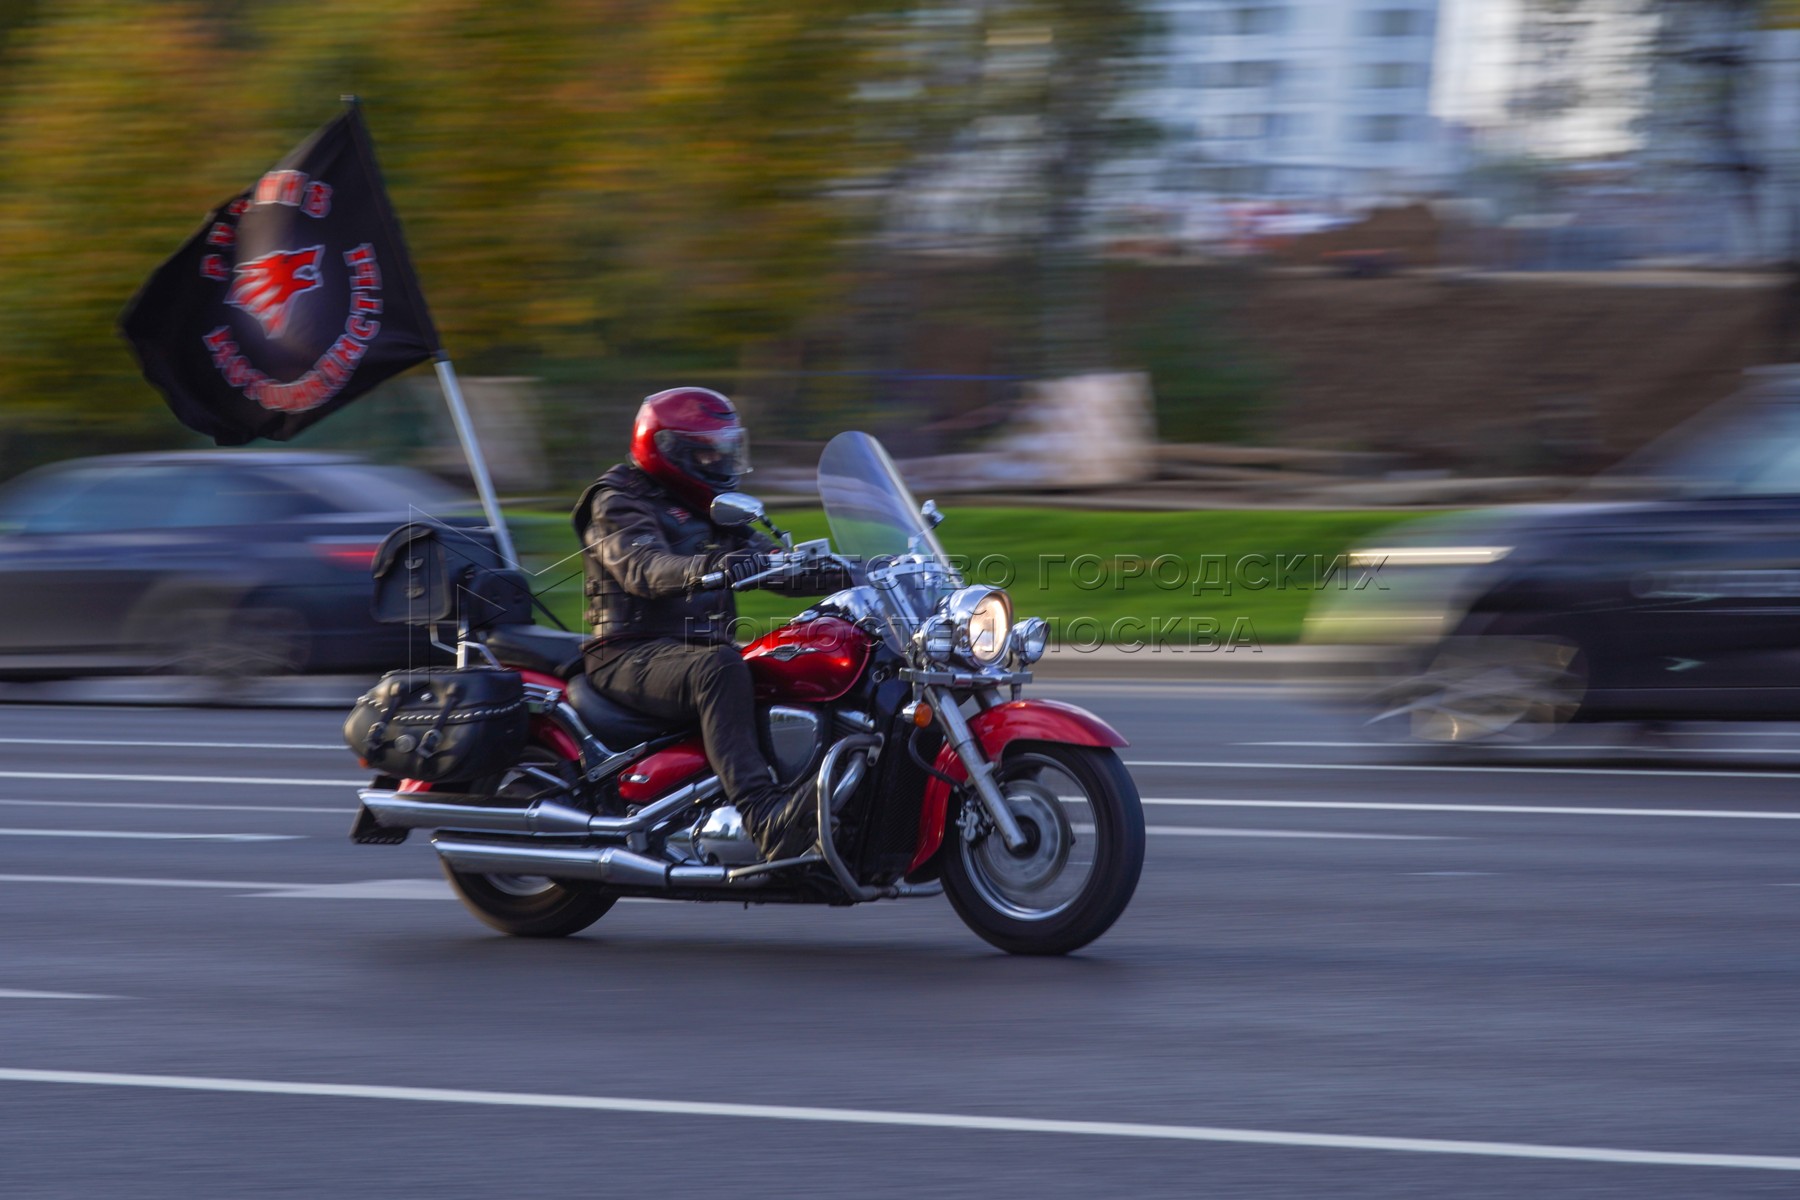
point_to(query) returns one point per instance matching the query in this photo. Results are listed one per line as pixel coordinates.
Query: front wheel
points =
(1083, 852)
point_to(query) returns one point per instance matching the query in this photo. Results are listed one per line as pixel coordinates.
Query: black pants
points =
(682, 681)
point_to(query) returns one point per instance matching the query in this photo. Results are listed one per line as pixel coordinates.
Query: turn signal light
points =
(921, 714)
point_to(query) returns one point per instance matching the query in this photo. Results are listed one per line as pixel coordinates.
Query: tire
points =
(1043, 901)
(527, 906)
(234, 640)
(531, 907)
(1489, 690)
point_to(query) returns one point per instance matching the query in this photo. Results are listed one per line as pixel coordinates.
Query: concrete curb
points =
(1167, 664)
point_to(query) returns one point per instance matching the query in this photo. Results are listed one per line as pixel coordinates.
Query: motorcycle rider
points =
(662, 639)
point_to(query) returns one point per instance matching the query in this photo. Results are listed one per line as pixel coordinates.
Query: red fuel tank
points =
(808, 662)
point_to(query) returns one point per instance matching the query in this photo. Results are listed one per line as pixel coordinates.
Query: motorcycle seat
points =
(613, 723)
(551, 651)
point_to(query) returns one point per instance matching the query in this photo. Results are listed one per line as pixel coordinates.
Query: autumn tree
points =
(582, 182)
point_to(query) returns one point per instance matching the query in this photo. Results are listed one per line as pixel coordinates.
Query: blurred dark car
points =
(218, 562)
(1680, 599)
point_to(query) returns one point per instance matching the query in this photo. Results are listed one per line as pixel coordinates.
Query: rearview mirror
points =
(735, 508)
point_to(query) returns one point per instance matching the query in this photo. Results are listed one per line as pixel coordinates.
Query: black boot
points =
(785, 824)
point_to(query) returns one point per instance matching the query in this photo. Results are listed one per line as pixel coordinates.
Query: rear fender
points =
(544, 730)
(555, 738)
(995, 729)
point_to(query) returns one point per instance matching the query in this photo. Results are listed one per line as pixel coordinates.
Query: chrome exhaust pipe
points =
(395, 811)
(414, 810)
(597, 864)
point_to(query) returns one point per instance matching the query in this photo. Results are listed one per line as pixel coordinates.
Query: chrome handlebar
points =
(806, 556)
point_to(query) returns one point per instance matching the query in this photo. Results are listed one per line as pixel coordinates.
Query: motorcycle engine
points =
(719, 838)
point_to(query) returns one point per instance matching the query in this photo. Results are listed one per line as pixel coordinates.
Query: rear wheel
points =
(529, 905)
(256, 639)
(227, 639)
(1083, 852)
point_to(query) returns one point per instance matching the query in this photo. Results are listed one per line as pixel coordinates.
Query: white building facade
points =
(1299, 99)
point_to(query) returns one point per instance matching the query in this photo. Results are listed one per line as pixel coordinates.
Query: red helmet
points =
(690, 440)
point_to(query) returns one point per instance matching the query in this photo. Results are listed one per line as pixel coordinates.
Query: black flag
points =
(294, 298)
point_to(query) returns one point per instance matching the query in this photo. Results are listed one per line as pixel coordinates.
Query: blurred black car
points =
(219, 562)
(1680, 599)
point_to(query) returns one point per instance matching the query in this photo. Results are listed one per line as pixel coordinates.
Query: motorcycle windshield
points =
(875, 523)
(873, 515)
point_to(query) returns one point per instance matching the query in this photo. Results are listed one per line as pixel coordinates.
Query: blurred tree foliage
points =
(583, 182)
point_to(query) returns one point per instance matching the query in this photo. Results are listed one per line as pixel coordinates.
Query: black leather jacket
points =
(645, 553)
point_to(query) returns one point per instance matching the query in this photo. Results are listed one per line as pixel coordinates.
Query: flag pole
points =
(465, 432)
(440, 358)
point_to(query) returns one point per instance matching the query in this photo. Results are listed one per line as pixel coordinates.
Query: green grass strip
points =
(1114, 577)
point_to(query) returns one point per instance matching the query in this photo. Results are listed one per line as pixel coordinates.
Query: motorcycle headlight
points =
(981, 618)
(1030, 638)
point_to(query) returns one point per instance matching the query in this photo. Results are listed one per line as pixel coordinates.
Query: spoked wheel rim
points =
(1049, 874)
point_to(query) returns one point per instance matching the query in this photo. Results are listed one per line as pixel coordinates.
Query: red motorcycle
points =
(895, 701)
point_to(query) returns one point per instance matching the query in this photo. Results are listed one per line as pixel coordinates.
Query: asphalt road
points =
(1349, 971)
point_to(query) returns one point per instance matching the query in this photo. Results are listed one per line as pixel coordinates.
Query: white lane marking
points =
(1549, 749)
(19, 741)
(1767, 733)
(1635, 773)
(1725, 814)
(140, 835)
(1201, 831)
(908, 1120)
(18, 994)
(236, 780)
(370, 889)
(373, 889)
(119, 881)
(1450, 874)
(342, 810)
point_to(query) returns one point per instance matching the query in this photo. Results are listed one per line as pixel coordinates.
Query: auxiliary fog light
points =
(1030, 638)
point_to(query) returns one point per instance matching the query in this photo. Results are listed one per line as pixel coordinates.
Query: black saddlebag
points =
(441, 723)
(428, 573)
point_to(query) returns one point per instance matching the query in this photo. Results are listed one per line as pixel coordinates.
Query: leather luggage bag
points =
(427, 574)
(441, 723)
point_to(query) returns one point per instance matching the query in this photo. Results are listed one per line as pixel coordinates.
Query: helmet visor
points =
(717, 457)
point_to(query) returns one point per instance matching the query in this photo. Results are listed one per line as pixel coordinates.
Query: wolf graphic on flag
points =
(292, 299)
(267, 287)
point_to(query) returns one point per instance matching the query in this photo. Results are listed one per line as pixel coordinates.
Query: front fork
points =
(981, 772)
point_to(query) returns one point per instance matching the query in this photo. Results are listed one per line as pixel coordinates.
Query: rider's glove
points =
(740, 565)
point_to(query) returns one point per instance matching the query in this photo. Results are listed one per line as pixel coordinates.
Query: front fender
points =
(995, 729)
